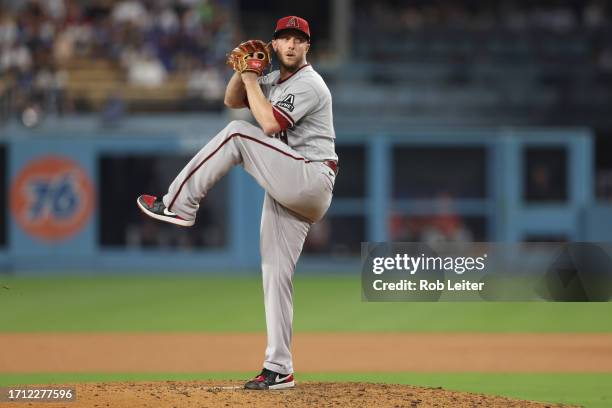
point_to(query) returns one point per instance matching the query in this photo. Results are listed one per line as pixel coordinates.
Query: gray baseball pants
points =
(298, 193)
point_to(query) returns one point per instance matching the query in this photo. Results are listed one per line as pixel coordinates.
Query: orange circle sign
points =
(52, 198)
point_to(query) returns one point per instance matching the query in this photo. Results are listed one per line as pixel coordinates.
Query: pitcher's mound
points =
(305, 394)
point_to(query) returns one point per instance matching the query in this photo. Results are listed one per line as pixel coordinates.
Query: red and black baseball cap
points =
(292, 23)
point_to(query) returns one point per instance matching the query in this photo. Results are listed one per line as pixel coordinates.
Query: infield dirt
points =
(314, 352)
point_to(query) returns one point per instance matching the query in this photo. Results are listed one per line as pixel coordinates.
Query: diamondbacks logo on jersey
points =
(287, 103)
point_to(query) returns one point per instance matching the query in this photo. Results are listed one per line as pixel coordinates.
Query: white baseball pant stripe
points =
(298, 193)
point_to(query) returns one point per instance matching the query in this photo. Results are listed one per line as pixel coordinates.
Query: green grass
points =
(589, 390)
(322, 303)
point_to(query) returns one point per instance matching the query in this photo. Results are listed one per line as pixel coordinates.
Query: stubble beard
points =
(289, 68)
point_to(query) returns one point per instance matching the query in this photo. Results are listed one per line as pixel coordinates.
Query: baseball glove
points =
(251, 55)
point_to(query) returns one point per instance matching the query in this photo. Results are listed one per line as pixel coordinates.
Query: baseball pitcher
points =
(291, 155)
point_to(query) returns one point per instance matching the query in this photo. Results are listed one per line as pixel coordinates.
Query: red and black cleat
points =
(270, 380)
(154, 207)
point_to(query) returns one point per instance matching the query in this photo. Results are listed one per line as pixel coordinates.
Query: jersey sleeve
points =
(265, 83)
(298, 100)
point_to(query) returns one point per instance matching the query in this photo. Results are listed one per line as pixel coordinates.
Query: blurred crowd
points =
(473, 15)
(150, 39)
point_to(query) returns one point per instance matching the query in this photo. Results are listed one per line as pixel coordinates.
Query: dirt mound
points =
(306, 394)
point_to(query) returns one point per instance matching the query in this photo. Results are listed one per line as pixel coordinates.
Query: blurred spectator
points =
(50, 89)
(17, 57)
(131, 11)
(545, 175)
(39, 39)
(206, 83)
(35, 33)
(444, 224)
(539, 187)
(478, 15)
(144, 69)
(8, 29)
(595, 14)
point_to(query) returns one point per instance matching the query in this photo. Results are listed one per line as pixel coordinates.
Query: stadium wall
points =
(71, 188)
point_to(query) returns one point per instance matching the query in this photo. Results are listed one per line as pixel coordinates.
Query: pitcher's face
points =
(291, 48)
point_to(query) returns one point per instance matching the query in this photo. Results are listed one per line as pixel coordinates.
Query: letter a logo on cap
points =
(293, 23)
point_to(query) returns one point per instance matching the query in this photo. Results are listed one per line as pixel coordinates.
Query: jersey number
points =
(282, 135)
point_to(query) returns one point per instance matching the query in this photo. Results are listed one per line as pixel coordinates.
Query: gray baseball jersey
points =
(298, 188)
(302, 105)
